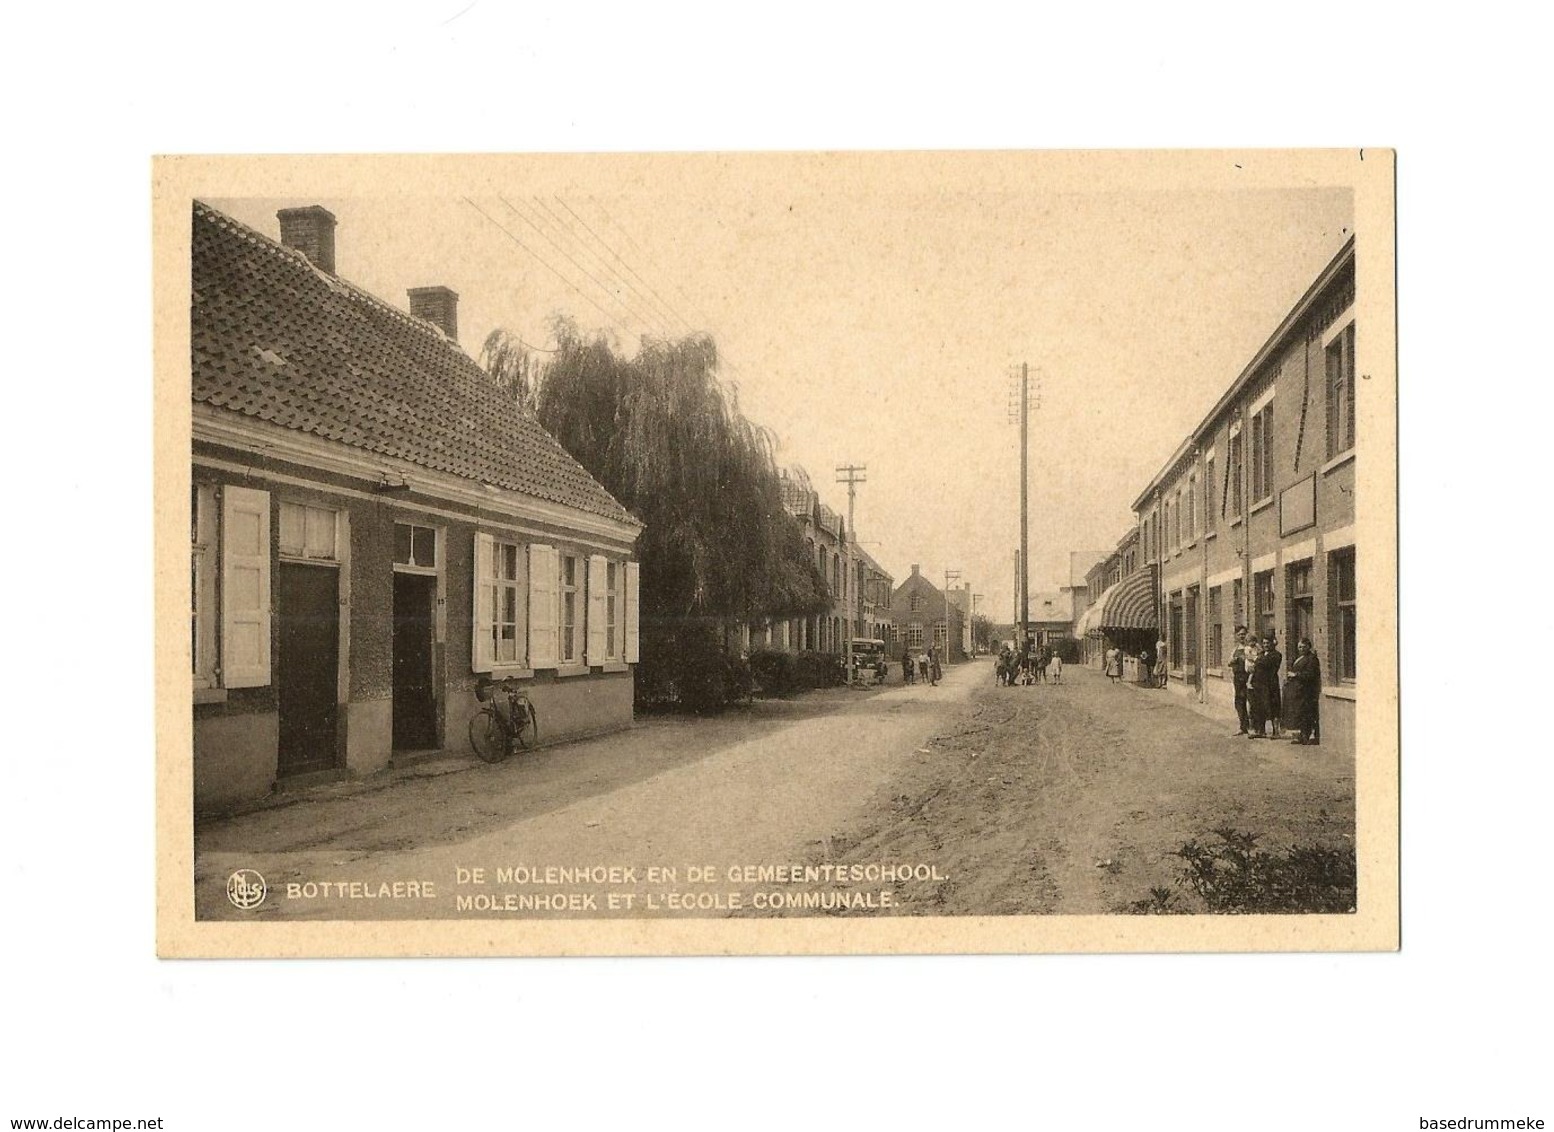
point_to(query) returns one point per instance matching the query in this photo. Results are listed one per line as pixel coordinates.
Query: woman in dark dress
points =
(1274, 660)
(1306, 686)
(1263, 689)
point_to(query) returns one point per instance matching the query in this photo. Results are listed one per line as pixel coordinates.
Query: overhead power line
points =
(609, 318)
(644, 323)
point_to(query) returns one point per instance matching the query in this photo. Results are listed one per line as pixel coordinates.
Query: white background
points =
(1454, 1025)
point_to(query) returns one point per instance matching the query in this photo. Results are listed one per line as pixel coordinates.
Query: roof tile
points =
(275, 338)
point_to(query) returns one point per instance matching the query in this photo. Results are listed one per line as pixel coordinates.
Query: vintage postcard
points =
(776, 553)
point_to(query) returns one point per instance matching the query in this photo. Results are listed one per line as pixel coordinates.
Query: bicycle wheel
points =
(528, 735)
(488, 736)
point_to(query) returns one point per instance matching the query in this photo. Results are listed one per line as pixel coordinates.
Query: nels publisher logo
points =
(246, 889)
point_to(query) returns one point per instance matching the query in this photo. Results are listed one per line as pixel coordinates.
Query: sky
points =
(877, 319)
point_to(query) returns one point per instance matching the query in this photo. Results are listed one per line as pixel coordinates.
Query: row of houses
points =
(866, 602)
(376, 529)
(1251, 521)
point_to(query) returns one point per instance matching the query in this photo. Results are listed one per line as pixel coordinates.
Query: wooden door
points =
(415, 702)
(307, 677)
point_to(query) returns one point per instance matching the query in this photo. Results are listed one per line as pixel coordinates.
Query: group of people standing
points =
(1262, 707)
(1031, 666)
(924, 667)
(1152, 668)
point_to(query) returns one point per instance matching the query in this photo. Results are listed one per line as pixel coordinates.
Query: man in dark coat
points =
(1238, 674)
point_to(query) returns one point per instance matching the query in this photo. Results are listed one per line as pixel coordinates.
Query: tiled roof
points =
(277, 339)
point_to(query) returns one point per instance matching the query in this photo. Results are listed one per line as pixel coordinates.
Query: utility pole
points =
(1022, 561)
(949, 576)
(852, 475)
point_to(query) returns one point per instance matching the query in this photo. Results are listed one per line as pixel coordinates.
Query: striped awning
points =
(1130, 604)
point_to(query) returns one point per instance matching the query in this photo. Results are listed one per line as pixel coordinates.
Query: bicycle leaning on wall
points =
(506, 724)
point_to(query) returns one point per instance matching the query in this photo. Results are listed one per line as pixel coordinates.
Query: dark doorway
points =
(415, 704)
(307, 681)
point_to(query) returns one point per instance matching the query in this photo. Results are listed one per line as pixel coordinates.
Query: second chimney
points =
(311, 231)
(439, 306)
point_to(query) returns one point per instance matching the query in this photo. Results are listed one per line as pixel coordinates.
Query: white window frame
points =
(489, 588)
(612, 611)
(413, 567)
(563, 591)
(320, 530)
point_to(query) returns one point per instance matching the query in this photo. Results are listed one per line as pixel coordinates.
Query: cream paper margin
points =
(177, 180)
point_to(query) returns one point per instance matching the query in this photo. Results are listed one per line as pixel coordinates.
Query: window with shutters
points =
(1340, 392)
(507, 628)
(612, 605)
(202, 583)
(1192, 507)
(569, 601)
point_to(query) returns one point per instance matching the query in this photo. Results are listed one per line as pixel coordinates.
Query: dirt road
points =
(683, 798)
(1075, 799)
(961, 799)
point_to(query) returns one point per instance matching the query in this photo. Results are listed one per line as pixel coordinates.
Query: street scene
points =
(1020, 801)
(797, 546)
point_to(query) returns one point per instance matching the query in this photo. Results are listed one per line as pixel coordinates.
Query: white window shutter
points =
(597, 574)
(245, 587)
(543, 645)
(482, 646)
(632, 588)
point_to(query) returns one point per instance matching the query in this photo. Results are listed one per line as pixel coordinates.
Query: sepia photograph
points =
(837, 552)
(769, 567)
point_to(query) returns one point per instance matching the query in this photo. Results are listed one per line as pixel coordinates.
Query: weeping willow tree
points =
(513, 364)
(667, 438)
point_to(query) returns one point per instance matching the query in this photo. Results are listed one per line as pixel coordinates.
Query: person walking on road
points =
(1239, 670)
(1055, 668)
(922, 668)
(1161, 673)
(1114, 664)
(1302, 705)
(933, 667)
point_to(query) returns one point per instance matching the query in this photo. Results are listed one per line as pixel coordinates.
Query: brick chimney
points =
(439, 306)
(915, 570)
(311, 231)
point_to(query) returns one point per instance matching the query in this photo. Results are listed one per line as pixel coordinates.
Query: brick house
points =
(375, 527)
(919, 610)
(1252, 520)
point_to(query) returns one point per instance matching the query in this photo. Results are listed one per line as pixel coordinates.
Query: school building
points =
(1252, 519)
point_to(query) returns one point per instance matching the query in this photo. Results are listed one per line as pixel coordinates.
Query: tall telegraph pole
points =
(1025, 478)
(852, 475)
(949, 576)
